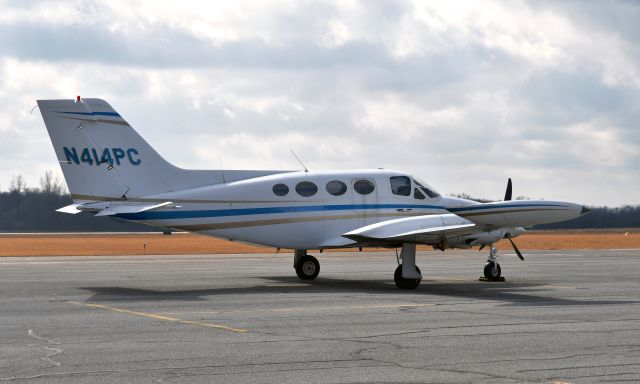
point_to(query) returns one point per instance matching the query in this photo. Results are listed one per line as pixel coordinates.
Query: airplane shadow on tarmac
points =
(510, 293)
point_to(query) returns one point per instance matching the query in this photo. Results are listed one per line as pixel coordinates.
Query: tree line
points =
(32, 209)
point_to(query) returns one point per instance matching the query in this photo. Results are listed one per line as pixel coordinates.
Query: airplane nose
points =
(584, 211)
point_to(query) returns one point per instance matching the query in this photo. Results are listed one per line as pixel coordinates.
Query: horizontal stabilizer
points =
(428, 229)
(122, 208)
(71, 209)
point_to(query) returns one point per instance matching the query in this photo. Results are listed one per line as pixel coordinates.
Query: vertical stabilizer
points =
(103, 157)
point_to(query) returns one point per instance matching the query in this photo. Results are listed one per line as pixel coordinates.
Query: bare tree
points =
(50, 184)
(18, 184)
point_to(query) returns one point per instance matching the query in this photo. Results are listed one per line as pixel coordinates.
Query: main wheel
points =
(403, 283)
(307, 268)
(489, 271)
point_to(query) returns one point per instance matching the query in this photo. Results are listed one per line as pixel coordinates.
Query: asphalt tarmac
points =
(560, 317)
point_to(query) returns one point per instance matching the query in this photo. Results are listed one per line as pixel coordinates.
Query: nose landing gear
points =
(492, 270)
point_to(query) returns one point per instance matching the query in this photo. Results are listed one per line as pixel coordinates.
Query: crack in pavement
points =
(52, 351)
(102, 371)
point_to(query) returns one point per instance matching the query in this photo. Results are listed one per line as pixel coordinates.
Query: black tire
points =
(403, 283)
(488, 270)
(307, 268)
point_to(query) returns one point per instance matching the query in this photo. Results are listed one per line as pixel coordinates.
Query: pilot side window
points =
(336, 187)
(280, 189)
(400, 185)
(363, 187)
(428, 190)
(306, 188)
(418, 195)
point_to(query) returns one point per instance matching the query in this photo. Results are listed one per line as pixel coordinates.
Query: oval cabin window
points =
(306, 188)
(280, 189)
(336, 187)
(364, 187)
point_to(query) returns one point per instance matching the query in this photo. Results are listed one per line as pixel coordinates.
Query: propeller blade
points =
(507, 195)
(508, 236)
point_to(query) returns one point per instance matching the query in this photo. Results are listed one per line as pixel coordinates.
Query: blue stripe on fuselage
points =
(173, 214)
(160, 215)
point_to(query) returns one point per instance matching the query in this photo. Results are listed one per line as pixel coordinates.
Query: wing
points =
(428, 229)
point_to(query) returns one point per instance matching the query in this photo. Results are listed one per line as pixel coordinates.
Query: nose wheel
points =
(492, 270)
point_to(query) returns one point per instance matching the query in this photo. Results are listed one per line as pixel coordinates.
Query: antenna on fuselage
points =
(299, 161)
(222, 170)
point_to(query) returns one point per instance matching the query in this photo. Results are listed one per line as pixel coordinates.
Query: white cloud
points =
(463, 94)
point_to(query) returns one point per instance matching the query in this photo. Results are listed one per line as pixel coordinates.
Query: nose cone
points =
(584, 210)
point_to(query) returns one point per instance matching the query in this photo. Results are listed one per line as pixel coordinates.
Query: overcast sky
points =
(461, 94)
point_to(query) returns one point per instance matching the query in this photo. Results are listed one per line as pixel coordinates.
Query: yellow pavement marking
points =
(559, 286)
(301, 309)
(160, 317)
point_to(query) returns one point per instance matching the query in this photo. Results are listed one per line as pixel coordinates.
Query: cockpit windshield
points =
(426, 188)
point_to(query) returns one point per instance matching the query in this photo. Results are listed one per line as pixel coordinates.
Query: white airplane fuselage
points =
(250, 211)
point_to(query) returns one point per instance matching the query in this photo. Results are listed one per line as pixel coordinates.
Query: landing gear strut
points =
(307, 267)
(408, 275)
(492, 270)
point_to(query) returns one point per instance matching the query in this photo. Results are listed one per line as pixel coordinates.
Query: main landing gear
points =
(307, 267)
(407, 275)
(492, 270)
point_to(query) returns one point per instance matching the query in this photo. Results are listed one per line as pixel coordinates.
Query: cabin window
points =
(306, 188)
(280, 189)
(336, 187)
(426, 189)
(364, 187)
(400, 185)
(418, 195)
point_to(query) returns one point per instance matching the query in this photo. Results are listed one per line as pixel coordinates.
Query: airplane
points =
(110, 170)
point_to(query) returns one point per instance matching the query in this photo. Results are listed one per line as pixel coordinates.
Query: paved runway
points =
(570, 316)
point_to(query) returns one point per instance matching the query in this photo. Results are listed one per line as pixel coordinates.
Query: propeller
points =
(507, 194)
(508, 236)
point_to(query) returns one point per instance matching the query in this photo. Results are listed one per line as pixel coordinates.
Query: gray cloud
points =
(565, 97)
(166, 48)
(463, 100)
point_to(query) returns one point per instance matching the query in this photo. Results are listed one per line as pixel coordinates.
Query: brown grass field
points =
(183, 243)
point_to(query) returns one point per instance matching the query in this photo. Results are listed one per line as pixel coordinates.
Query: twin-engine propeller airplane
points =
(111, 171)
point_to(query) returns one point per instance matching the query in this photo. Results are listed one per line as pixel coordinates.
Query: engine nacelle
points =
(484, 238)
